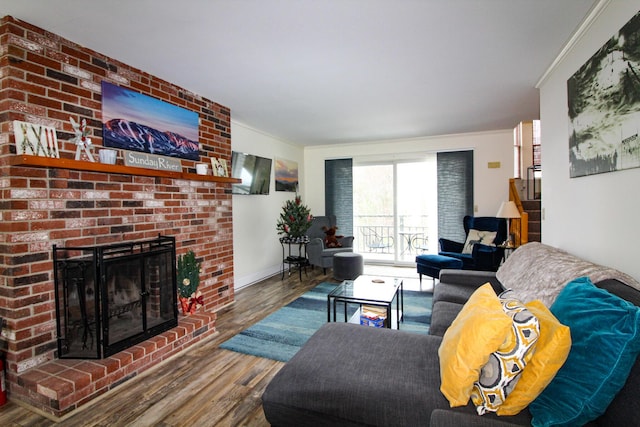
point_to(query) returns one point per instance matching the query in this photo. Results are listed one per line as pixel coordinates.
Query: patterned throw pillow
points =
(501, 373)
(478, 236)
(550, 354)
(478, 330)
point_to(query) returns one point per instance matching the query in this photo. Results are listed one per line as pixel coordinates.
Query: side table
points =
(296, 259)
(508, 250)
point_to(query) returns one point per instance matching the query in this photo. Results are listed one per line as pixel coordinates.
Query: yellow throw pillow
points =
(552, 350)
(479, 329)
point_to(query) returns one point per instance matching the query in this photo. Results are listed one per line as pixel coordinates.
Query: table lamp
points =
(508, 210)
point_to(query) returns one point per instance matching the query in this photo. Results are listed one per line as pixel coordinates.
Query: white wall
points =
(595, 217)
(257, 254)
(490, 185)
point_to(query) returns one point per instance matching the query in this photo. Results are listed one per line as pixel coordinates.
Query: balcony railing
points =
(376, 235)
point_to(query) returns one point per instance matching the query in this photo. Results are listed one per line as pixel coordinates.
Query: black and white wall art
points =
(604, 106)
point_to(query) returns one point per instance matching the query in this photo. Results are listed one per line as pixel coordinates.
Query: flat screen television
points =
(254, 171)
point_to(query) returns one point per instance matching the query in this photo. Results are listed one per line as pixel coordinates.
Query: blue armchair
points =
(482, 256)
(318, 254)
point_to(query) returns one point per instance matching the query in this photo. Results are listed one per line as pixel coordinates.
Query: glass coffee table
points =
(368, 290)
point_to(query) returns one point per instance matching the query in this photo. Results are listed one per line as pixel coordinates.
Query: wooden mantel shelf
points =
(48, 162)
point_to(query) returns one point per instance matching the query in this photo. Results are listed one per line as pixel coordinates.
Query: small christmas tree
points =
(188, 274)
(295, 218)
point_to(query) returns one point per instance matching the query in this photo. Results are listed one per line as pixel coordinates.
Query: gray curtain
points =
(338, 190)
(455, 192)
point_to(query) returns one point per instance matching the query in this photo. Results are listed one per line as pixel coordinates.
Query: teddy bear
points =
(331, 240)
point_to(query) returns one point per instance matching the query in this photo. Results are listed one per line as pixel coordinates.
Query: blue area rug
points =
(280, 335)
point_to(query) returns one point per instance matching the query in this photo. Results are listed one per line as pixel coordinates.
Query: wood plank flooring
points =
(205, 385)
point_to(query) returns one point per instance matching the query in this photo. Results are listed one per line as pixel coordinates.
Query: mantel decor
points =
(45, 162)
(35, 140)
(219, 167)
(295, 218)
(81, 139)
(151, 161)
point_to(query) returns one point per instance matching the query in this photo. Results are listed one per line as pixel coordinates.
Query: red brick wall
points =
(45, 79)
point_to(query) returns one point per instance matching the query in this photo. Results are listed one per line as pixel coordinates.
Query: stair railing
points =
(519, 227)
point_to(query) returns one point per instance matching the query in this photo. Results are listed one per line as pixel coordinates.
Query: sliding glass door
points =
(416, 208)
(400, 208)
(395, 209)
(374, 211)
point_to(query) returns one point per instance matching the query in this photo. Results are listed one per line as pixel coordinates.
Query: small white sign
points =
(152, 161)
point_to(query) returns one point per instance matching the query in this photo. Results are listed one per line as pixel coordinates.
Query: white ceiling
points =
(332, 71)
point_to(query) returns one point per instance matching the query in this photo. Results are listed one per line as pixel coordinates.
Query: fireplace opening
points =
(111, 297)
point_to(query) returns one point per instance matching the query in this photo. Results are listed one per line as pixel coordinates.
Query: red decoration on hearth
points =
(184, 304)
(195, 302)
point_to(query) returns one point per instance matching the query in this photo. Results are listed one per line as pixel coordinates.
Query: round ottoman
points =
(432, 264)
(347, 265)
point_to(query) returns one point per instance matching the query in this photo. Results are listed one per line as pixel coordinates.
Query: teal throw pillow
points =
(605, 342)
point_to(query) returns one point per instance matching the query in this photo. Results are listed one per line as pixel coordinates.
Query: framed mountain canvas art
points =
(286, 175)
(133, 121)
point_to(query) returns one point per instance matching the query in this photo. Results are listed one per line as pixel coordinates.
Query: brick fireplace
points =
(45, 79)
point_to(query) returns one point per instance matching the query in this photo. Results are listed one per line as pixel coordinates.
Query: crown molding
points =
(593, 14)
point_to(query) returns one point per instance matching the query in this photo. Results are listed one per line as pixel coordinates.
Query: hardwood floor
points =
(205, 385)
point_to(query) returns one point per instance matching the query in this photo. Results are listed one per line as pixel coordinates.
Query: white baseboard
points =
(255, 277)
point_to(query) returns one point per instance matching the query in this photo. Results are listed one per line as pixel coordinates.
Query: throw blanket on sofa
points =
(537, 271)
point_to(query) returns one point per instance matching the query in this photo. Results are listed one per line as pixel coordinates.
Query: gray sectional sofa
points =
(351, 375)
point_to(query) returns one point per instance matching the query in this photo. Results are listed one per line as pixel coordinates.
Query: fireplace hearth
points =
(109, 298)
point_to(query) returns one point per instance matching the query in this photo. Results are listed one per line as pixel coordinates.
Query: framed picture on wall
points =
(604, 107)
(138, 122)
(286, 175)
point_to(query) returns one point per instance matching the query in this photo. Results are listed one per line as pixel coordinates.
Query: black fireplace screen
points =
(111, 297)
